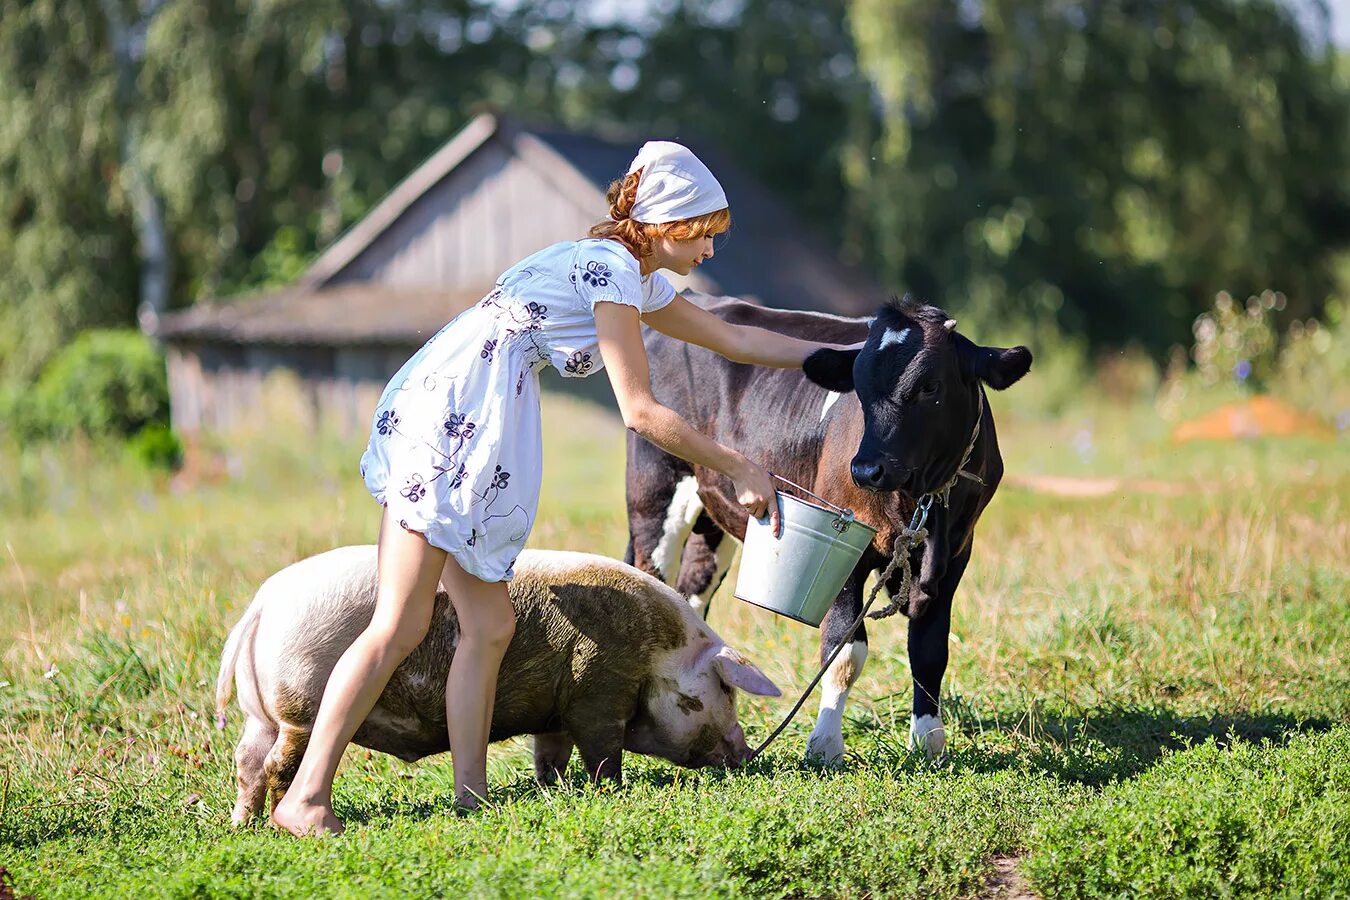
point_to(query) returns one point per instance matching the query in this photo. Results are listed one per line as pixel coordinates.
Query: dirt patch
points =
(1070, 486)
(1006, 882)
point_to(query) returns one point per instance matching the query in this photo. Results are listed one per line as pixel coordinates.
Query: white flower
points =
(52, 671)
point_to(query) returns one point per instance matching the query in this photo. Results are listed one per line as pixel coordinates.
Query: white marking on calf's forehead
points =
(893, 338)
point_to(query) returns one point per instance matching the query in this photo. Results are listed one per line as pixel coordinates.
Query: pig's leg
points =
(284, 759)
(598, 734)
(826, 743)
(551, 754)
(250, 756)
(707, 557)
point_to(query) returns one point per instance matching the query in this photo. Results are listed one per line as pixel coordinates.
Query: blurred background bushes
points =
(107, 385)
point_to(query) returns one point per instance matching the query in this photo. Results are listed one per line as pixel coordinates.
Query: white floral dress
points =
(455, 449)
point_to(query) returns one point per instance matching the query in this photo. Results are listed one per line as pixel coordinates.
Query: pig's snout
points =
(738, 750)
(730, 752)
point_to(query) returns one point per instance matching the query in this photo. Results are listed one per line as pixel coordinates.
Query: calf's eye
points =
(930, 389)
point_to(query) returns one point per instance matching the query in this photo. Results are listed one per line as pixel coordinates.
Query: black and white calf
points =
(871, 430)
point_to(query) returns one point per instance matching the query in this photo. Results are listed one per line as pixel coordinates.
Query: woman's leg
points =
(408, 572)
(486, 623)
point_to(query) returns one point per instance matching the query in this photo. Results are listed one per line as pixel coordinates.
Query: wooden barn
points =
(493, 194)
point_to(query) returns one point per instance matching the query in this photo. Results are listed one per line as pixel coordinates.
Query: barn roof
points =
(344, 314)
(770, 255)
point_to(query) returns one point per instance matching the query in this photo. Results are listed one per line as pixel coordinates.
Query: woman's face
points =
(682, 256)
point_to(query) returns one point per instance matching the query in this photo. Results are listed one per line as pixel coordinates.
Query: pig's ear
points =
(737, 671)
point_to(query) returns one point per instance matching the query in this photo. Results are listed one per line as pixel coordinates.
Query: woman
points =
(455, 454)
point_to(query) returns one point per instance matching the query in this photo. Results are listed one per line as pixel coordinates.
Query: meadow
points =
(1149, 692)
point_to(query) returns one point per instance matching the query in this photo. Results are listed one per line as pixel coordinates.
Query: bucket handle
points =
(843, 517)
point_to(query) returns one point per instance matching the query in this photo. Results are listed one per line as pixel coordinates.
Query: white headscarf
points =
(675, 184)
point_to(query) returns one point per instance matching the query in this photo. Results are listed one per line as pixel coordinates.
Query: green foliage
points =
(156, 446)
(1238, 350)
(1314, 364)
(1109, 165)
(1238, 342)
(1244, 820)
(1102, 168)
(67, 257)
(104, 384)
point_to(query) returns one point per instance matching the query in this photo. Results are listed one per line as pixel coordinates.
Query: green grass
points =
(1148, 693)
(1261, 821)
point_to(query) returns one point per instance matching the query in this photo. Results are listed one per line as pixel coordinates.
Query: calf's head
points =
(687, 713)
(917, 379)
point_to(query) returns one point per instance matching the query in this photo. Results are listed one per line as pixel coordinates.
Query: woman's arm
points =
(619, 330)
(739, 343)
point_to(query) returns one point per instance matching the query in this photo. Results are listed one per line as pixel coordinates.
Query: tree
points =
(65, 228)
(1107, 165)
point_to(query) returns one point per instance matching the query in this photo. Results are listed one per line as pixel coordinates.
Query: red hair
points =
(639, 237)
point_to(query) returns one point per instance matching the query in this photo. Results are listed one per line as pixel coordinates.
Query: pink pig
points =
(604, 657)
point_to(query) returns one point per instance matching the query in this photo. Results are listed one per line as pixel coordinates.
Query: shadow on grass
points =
(1092, 748)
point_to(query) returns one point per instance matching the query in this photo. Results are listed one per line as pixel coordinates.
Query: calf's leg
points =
(657, 525)
(707, 557)
(826, 743)
(928, 637)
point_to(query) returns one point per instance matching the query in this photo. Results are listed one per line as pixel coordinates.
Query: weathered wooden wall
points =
(221, 387)
(227, 387)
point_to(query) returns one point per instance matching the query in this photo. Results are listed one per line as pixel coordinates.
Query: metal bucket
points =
(800, 573)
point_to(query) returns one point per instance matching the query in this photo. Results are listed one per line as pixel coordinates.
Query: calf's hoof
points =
(927, 734)
(825, 750)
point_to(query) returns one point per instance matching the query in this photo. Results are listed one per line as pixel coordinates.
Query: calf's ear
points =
(997, 367)
(739, 672)
(831, 369)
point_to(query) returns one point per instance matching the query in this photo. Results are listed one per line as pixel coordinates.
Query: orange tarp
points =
(1259, 416)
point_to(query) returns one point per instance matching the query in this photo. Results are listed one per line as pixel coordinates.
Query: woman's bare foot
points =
(306, 819)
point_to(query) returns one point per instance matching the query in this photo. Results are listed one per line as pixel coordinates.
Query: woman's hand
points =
(756, 494)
